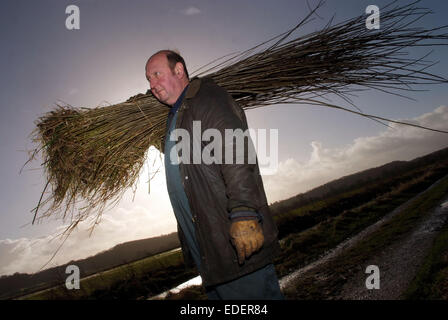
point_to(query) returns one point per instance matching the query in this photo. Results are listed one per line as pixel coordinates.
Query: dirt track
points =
(397, 263)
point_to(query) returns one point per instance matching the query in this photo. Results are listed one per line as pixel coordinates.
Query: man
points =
(224, 223)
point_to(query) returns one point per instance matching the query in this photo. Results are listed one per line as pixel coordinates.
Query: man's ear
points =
(179, 70)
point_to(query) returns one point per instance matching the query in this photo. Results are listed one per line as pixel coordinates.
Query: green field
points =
(135, 280)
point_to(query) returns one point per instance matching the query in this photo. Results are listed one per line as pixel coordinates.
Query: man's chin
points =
(168, 102)
(164, 101)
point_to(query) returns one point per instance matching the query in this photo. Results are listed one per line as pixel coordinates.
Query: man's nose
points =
(153, 83)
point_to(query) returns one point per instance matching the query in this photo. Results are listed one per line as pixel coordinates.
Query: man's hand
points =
(247, 237)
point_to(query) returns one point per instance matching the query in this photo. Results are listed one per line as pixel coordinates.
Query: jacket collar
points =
(193, 88)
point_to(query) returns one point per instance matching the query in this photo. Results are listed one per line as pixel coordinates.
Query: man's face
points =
(164, 83)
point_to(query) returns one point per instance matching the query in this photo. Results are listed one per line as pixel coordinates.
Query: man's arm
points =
(245, 231)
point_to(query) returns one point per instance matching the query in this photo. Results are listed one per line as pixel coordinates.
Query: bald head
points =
(167, 79)
(173, 58)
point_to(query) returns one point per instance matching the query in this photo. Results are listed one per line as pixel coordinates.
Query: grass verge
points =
(149, 276)
(431, 281)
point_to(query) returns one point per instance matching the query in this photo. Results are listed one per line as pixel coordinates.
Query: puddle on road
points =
(192, 282)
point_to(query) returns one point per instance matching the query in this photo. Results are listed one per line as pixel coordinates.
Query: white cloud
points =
(326, 164)
(29, 255)
(190, 11)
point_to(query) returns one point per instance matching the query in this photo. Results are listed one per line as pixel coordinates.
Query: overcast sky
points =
(43, 63)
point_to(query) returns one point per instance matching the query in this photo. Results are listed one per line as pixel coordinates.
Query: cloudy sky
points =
(43, 63)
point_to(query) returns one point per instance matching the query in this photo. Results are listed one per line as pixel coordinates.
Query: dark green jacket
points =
(213, 190)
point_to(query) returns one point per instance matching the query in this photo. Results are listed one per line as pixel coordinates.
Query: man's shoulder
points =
(205, 86)
(208, 99)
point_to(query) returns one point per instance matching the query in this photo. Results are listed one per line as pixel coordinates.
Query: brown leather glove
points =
(247, 237)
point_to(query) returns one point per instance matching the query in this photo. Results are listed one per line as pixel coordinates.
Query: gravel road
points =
(397, 263)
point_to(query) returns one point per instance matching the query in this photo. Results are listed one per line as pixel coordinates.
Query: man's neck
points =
(181, 92)
(176, 105)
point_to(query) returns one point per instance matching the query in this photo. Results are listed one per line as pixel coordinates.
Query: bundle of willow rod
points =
(92, 156)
